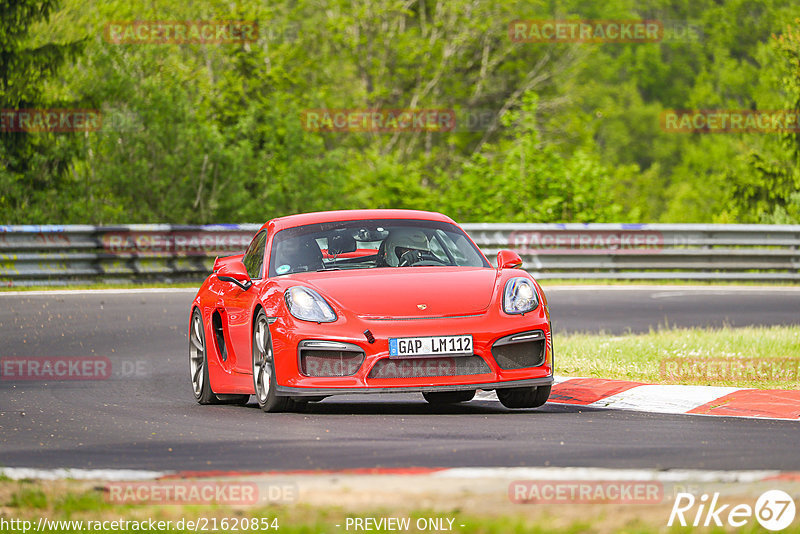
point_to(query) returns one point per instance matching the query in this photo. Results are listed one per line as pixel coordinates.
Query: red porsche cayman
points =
(368, 301)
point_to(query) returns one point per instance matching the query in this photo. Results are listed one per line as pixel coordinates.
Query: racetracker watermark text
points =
(585, 31)
(186, 243)
(378, 120)
(181, 32)
(182, 492)
(730, 121)
(200, 524)
(222, 492)
(586, 241)
(50, 120)
(730, 369)
(585, 491)
(71, 368)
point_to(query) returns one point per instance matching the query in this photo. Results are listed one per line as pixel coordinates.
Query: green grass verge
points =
(115, 285)
(753, 357)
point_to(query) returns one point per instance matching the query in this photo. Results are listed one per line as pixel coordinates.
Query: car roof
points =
(301, 219)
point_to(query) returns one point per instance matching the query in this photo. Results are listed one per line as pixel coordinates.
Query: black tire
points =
(530, 397)
(198, 361)
(264, 369)
(449, 397)
(300, 404)
(297, 405)
(237, 399)
(306, 400)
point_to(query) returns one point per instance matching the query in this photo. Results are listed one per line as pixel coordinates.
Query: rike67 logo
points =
(774, 510)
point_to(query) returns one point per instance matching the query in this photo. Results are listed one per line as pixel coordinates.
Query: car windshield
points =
(367, 244)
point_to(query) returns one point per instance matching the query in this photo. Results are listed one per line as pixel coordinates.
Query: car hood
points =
(408, 292)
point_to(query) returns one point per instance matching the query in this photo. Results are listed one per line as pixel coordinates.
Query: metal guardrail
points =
(649, 251)
(55, 255)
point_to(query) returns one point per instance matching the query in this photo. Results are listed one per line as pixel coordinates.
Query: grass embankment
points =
(754, 357)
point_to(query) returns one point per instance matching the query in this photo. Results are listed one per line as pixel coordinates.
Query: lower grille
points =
(429, 367)
(520, 351)
(329, 359)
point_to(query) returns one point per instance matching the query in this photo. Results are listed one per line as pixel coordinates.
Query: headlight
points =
(519, 296)
(307, 305)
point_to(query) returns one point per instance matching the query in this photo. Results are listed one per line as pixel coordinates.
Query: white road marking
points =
(19, 473)
(602, 473)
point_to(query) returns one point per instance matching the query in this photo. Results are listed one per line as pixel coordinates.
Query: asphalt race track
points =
(144, 415)
(624, 309)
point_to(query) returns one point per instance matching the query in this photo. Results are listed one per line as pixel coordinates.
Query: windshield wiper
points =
(345, 267)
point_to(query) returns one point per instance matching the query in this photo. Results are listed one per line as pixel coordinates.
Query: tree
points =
(31, 164)
(524, 179)
(771, 192)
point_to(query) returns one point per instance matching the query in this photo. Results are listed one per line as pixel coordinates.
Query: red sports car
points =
(368, 301)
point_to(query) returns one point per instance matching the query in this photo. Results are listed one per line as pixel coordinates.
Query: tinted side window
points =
(254, 257)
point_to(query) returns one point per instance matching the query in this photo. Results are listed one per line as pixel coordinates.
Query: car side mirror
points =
(508, 259)
(235, 273)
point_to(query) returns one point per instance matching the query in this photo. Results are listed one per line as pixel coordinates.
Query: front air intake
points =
(429, 367)
(329, 358)
(520, 351)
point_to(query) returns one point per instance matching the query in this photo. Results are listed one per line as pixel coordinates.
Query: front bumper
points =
(325, 392)
(487, 329)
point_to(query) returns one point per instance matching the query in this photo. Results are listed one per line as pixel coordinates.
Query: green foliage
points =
(772, 192)
(203, 133)
(523, 179)
(32, 166)
(71, 502)
(24, 68)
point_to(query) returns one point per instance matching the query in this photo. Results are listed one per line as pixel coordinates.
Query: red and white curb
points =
(673, 399)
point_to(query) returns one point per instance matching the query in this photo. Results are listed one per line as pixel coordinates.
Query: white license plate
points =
(408, 347)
